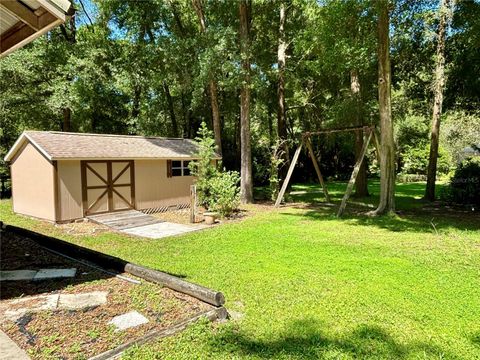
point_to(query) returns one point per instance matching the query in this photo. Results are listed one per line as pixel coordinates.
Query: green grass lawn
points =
(314, 286)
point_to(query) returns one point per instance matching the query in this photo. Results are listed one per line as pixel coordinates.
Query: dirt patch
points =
(83, 228)
(182, 216)
(74, 334)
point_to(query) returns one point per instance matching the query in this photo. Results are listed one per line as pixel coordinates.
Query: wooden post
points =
(193, 203)
(289, 174)
(354, 174)
(308, 144)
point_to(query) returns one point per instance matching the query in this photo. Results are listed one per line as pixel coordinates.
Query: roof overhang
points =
(19, 144)
(22, 21)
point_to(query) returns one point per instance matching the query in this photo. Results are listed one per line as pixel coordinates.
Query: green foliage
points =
(411, 129)
(224, 193)
(143, 67)
(204, 168)
(217, 191)
(464, 187)
(460, 129)
(415, 160)
(411, 135)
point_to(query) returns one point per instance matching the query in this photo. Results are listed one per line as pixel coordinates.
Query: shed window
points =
(180, 168)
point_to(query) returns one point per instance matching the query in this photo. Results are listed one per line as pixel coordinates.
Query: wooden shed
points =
(61, 176)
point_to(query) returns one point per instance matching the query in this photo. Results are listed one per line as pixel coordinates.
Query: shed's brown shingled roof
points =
(62, 145)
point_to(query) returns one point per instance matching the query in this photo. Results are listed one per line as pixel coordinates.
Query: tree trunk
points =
(445, 15)
(137, 92)
(187, 117)
(176, 16)
(171, 109)
(136, 84)
(246, 186)
(361, 185)
(67, 119)
(270, 117)
(281, 116)
(387, 146)
(71, 37)
(217, 130)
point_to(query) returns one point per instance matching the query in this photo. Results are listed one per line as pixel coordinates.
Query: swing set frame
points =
(368, 133)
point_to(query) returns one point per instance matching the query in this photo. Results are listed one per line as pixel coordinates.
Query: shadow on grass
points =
(365, 341)
(476, 339)
(413, 213)
(412, 221)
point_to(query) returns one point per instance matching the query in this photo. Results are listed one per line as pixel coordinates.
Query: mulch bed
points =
(78, 334)
(182, 216)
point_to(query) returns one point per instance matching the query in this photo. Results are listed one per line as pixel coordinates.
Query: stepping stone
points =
(15, 275)
(9, 350)
(44, 274)
(128, 320)
(51, 302)
(82, 301)
(39, 303)
(33, 304)
(236, 315)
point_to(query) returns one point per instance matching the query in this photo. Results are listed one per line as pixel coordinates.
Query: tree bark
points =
(217, 129)
(187, 117)
(72, 40)
(212, 86)
(67, 119)
(445, 15)
(246, 186)
(137, 93)
(176, 16)
(136, 83)
(281, 116)
(361, 185)
(387, 146)
(171, 109)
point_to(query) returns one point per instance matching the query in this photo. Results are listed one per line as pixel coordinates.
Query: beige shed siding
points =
(32, 184)
(69, 190)
(154, 189)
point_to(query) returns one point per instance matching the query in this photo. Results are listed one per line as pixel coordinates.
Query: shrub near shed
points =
(217, 190)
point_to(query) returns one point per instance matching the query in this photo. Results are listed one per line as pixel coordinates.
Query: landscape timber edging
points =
(207, 295)
(218, 313)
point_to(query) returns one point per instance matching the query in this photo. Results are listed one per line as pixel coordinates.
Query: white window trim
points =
(182, 168)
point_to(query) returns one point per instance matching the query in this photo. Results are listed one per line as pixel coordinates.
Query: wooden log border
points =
(109, 262)
(212, 315)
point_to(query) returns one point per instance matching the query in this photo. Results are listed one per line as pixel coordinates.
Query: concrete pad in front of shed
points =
(128, 320)
(16, 275)
(161, 230)
(44, 274)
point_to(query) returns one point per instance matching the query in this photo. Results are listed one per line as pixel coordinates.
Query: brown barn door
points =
(107, 185)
